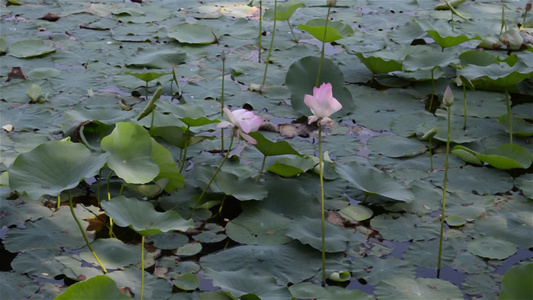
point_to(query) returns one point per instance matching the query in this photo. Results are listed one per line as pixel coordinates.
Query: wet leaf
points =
(284, 11)
(514, 283)
(335, 30)
(419, 288)
(492, 248)
(29, 49)
(99, 287)
(193, 34)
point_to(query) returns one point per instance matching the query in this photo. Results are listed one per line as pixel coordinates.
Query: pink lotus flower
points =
(243, 122)
(322, 105)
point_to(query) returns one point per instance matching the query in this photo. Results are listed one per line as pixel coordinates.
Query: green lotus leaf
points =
(146, 76)
(53, 167)
(301, 79)
(396, 146)
(443, 36)
(150, 106)
(113, 253)
(187, 282)
(307, 290)
(515, 283)
(189, 249)
(156, 59)
(381, 62)
(356, 213)
(167, 168)
(292, 262)
(375, 269)
(507, 156)
(29, 49)
(17, 286)
(373, 182)
(336, 30)
(193, 34)
(419, 288)
(142, 217)
(129, 149)
(428, 60)
(478, 58)
(405, 227)
(521, 128)
(154, 287)
(98, 287)
(466, 154)
(284, 11)
(269, 148)
(499, 75)
(340, 293)
(168, 240)
(455, 220)
(308, 231)
(491, 247)
(290, 167)
(244, 282)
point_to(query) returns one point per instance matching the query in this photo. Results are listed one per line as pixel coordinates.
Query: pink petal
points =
(223, 124)
(248, 138)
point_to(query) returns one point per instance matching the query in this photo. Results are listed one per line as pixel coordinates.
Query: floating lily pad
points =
(490, 247)
(156, 59)
(193, 34)
(419, 288)
(113, 253)
(396, 146)
(289, 167)
(374, 269)
(356, 213)
(29, 49)
(308, 231)
(15, 285)
(187, 282)
(142, 217)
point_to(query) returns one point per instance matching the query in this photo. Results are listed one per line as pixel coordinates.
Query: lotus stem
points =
(214, 175)
(184, 158)
(83, 232)
(175, 78)
(509, 116)
(430, 155)
(98, 185)
(464, 95)
(58, 201)
(292, 32)
(260, 37)
(323, 47)
(271, 42)
(222, 99)
(111, 234)
(443, 214)
(322, 210)
(432, 91)
(142, 266)
(262, 168)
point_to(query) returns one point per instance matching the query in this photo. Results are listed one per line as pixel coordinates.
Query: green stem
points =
(142, 267)
(98, 186)
(83, 232)
(222, 102)
(111, 234)
(175, 78)
(443, 213)
(509, 116)
(271, 43)
(221, 205)
(214, 175)
(184, 158)
(430, 155)
(262, 168)
(323, 47)
(146, 91)
(323, 220)
(292, 32)
(464, 95)
(58, 201)
(432, 91)
(152, 121)
(260, 30)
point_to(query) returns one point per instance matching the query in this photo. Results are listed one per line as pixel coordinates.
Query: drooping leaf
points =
(156, 59)
(507, 156)
(168, 169)
(429, 59)
(129, 149)
(146, 76)
(289, 167)
(150, 106)
(521, 128)
(466, 154)
(53, 167)
(383, 62)
(269, 148)
(284, 11)
(142, 217)
(335, 30)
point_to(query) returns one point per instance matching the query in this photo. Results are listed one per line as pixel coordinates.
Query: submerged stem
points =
(509, 116)
(271, 42)
(222, 101)
(443, 213)
(262, 168)
(213, 178)
(323, 47)
(430, 156)
(322, 210)
(432, 91)
(464, 95)
(260, 37)
(142, 266)
(83, 232)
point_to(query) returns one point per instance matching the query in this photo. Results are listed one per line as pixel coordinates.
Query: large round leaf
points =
(158, 59)
(308, 231)
(284, 11)
(193, 34)
(335, 30)
(293, 262)
(130, 153)
(142, 217)
(516, 283)
(491, 247)
(53, 167)
(301, 79)
(29, 48)
(99, 287)
(419, 288)
(113, 253)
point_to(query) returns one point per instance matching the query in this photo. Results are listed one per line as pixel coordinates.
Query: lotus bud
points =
(528, 5)
(430, 134)
(331, 2)
(223, 56)
(447, 99)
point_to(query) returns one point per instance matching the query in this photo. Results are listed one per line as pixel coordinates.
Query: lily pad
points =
(419, 288)
(308, 231)
(156, 59)
(113, 253)
(336, 30)
(507, 156)
(491, 247)
(356, 213)
(142, 217)
(289, 167)
(284, 11)
(193, 34)
(99, 287)
(53, 167)
(29, 49)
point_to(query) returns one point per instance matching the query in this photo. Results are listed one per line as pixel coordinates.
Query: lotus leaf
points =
(490, 247)
(142, 217)
(99, 287)
(193, 34)
(284, 11)
(419, 288)
(29, 49)
(336, 30)
(515, 283)
(156, 59)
